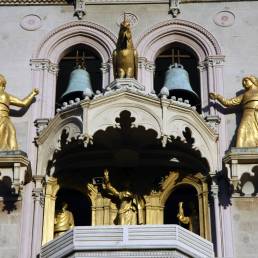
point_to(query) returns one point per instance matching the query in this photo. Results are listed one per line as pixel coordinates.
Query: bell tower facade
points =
(130, 153)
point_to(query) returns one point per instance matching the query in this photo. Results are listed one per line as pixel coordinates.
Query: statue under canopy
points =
(247, 134)
(130, 206)
(8, 140)
(182, 218)
(63, 220)
(125, 58)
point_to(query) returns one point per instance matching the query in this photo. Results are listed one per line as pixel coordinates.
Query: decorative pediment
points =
(166, 119)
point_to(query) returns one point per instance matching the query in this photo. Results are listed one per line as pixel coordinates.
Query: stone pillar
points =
(227, 233)
(214, 192)
(241, 164)
(37, 194)
(26, 222)
(49, 209)
(146, 74)
(106, 74)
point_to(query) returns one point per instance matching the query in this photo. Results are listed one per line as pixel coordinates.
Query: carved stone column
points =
(106, 74)
(44, 74)
(49, 209)
(214, 193)
(146, 73)
(37, 194)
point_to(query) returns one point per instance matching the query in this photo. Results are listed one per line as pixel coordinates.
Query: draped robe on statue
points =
(63, 222)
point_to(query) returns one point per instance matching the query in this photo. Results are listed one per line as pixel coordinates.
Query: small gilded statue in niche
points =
(130, 206)
(8, 140)
(247, 134)
(125, 56)
(182, 218)
(63, 220)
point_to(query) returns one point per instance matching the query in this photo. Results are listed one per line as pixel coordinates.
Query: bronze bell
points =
(79, 84)
(177, 82)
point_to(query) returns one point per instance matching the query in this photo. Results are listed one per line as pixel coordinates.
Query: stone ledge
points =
(116, 239)
(16, 166)
(92, 2)
(10, 157)
(242, 155)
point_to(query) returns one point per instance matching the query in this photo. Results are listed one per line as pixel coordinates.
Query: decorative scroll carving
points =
(43, 64)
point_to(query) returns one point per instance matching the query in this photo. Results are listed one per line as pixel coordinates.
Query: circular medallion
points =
(130, 17)
(224, 18)
(31, 22)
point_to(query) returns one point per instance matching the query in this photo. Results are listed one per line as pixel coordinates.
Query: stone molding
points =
(43, 64)
(129, 254)
(33, 2)
(40, 124)
(151, 240)
(16, 166)
(240, 162)
(175, 27)
(64, 2)
(63, 33)
(127, 83)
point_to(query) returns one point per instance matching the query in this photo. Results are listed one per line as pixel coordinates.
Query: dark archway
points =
(129, 153)
(188, 195)
(68, 63)
(181, 54)
(78, 204)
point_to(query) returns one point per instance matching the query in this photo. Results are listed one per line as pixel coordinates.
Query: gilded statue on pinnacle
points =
(8, 140)
(247, 133)
(125, 56)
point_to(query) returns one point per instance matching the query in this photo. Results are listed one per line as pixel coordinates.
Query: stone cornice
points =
(33, 2)
(65, 2)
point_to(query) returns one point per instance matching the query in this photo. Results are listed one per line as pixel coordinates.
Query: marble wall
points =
(245, 226)
(233, 24)
(10, 211)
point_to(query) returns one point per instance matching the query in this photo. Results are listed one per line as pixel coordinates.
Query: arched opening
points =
(78, 54)
(180, 54)
(186, 194)
(77, 203)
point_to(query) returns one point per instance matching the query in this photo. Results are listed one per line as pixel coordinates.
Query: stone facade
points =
(33, 41)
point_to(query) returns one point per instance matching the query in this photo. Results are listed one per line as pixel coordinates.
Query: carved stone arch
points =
(170, 188)
(143, 115)
(191, 34)
(203, 140)
(52, 141)
(201, 41)
(61, 38)
(198, 182)
(54, 46)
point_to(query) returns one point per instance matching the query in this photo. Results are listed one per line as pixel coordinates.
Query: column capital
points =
(43, 65)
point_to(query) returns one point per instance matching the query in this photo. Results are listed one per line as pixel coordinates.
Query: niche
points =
(188, 195)
(181, 54)
(67, 64)
(78, 204)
